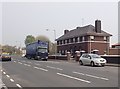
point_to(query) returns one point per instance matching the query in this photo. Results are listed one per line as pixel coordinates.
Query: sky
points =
(20, 19)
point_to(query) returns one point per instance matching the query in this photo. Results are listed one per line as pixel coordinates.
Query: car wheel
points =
(92, 64)
(80, 62)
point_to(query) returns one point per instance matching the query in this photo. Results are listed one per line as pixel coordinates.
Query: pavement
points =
(22, 72)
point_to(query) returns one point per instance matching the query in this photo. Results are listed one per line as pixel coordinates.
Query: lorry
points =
(37, 50)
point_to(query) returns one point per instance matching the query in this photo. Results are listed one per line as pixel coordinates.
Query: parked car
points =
(5, 57)
(92, 59)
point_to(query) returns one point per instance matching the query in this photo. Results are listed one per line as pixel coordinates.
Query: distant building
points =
(115, 49)
(116, 46)
(87, 38)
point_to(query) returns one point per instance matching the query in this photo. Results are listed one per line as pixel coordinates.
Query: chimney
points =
(98, 26)
(66, 31)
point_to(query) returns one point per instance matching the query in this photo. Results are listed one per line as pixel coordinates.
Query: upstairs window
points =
(105, 38)
(83, 38)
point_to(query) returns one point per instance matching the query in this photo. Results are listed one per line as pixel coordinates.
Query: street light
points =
(54, 39)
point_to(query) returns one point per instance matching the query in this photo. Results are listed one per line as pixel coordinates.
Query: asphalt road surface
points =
(22, 72)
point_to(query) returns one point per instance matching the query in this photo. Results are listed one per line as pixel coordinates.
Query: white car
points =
(92, 59)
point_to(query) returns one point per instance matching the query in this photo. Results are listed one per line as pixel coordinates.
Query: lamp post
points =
(54, 40)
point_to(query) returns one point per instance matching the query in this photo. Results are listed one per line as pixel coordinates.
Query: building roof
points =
(82, 31)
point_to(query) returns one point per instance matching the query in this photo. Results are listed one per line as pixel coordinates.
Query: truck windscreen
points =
(42, 49)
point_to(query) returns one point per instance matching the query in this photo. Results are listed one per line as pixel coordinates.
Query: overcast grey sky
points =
(20, 19)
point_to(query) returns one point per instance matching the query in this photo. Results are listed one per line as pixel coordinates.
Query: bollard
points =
(77, 55)
(68, 56)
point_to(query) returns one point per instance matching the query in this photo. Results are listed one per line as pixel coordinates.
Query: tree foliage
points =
(29, 39)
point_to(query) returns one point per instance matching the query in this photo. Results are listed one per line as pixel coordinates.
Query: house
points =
(87, 38)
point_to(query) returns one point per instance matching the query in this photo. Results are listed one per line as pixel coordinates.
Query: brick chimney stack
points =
(66, 31)
(98, 26)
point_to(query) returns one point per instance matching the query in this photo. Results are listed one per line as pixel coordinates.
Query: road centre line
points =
(18, 85)
(54, 68)
(8, 76)
(40, 68)
(91, 76)
(27, 65)
(11, 80)
(4, 73)
(73, 78)
(15, 61)
(19, 62)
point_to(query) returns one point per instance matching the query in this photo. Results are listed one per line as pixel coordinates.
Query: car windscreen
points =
(95, 56)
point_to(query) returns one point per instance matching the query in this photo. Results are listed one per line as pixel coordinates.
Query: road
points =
(22, 72)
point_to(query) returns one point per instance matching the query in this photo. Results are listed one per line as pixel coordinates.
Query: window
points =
(83, 38)
(71, 40)
(105, 38)
(92, 37)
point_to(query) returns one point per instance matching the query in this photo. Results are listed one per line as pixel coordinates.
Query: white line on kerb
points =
(8, 76)
(4, 73)
(11, 80)
(41, 68)
(54, 68)
(73, 78)
(18, 85)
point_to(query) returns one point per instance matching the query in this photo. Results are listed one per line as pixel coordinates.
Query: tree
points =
(42, 38)
(29, 39)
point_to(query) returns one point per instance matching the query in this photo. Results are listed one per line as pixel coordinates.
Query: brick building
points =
(87, 38)
(115, 49)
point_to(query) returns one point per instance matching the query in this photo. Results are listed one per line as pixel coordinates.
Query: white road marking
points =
(11, 80)
(91, 76)
(1, 70)
(104, 78)
(78, 73)
(18, 85)
(73, 78)
(48, 61)
(15, 61)
(40, 68)
(54, 68)
(8, 76)
(4, 73)
(27, 65)
(19, 62)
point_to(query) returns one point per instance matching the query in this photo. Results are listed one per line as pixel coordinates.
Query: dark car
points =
(5, 57)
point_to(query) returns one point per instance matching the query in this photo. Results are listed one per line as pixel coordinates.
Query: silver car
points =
(92, 59)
